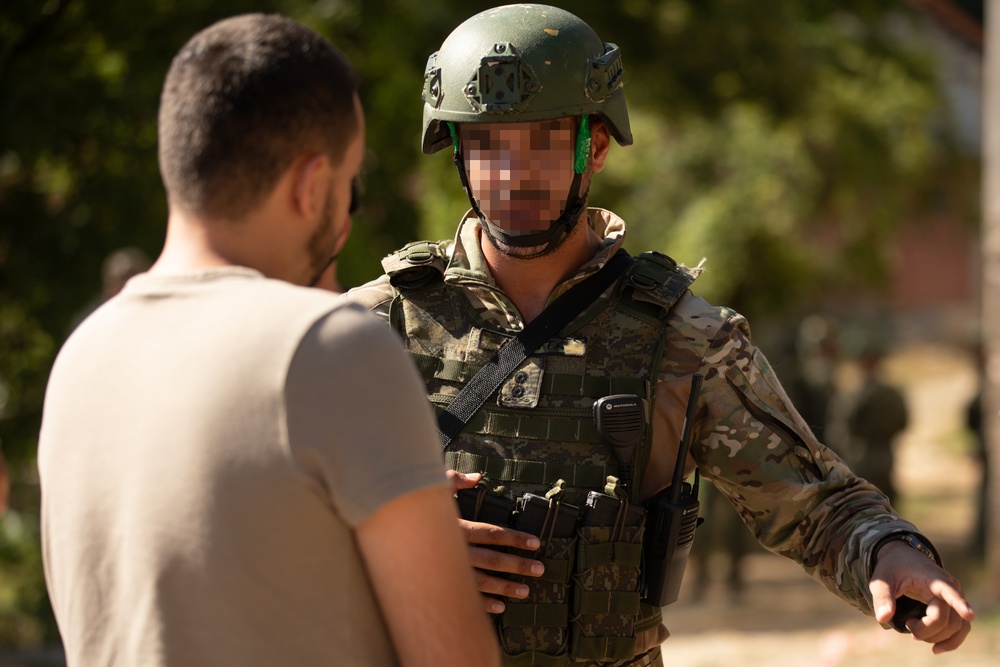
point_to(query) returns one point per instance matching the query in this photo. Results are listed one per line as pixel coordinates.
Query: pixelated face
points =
(520, 172)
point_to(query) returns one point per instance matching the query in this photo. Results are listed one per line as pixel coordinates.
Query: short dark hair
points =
(242, 99)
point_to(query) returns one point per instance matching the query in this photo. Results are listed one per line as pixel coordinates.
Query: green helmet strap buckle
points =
(503, 82)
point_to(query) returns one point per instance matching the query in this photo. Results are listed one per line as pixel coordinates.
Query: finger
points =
(941, 626)
(492, 605)
(497, 536)
(496, 561)
(933, 631)
(936, 624)
(954, 598)
(462, 480)
(883, 601)
(488, 584)
(954, 641)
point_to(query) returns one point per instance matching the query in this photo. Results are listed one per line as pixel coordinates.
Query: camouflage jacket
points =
(796, 495)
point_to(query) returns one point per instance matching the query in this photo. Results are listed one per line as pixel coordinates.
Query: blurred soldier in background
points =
(867, 422)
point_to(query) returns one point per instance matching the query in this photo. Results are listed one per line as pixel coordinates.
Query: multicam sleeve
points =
(796, 495)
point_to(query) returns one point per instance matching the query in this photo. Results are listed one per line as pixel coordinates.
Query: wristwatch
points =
(921, 546)
(914, 540)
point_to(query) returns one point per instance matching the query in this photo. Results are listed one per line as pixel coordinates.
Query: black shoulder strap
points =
(513, 353)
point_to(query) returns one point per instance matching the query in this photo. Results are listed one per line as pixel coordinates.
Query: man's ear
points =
(310, 183)
(600, 143)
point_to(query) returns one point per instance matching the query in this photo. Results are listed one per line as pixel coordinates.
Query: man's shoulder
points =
(349, 326)
(292, 310)
(289, 306)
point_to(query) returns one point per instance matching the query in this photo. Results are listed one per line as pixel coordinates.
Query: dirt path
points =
(783, 618)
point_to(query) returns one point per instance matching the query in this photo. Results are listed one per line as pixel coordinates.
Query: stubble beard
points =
(320, 245)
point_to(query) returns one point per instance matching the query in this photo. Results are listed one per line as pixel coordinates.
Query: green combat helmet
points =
(518, 64)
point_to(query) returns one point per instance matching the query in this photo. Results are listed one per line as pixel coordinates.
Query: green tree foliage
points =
(783, 141)
(835, 140)
(78, 174)
(759, 125)
(80, 82)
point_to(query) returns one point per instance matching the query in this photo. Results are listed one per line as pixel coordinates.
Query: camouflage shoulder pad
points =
(658, 279)
(415, 265)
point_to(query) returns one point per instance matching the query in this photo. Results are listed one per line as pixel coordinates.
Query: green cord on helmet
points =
(582, 156)
(454, 135)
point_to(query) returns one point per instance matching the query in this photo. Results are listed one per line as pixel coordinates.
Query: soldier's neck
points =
(529, 282)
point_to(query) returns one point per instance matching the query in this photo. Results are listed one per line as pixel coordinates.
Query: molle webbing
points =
(605, 553)
(533, 427)
(454, 370)
(539, 615)
(528, 472)
(586, 608)
(619, 603)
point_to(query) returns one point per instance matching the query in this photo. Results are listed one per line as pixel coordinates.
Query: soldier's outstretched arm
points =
(483, 538)
(901, 570)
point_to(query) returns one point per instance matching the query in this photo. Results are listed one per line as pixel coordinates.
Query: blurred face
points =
(520, 172)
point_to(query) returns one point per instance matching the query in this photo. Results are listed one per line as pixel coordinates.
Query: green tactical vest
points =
(538, 435)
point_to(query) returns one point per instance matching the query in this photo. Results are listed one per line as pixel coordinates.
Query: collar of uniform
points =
(467, 260)
(467, 267)
(611, 230)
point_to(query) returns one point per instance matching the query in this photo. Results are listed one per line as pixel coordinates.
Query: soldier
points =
(871, 418)
(528, 99)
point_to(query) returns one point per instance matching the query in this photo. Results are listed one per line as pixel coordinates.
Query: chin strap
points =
(559, 228)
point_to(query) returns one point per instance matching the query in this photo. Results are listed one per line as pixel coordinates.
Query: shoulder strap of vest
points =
(658, 279)
(416, 265)
(652, 285)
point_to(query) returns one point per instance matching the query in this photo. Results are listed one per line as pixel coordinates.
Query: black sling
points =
(512, 354)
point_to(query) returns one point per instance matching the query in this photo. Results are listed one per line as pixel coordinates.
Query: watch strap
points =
(915, 540)
(924, 547)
